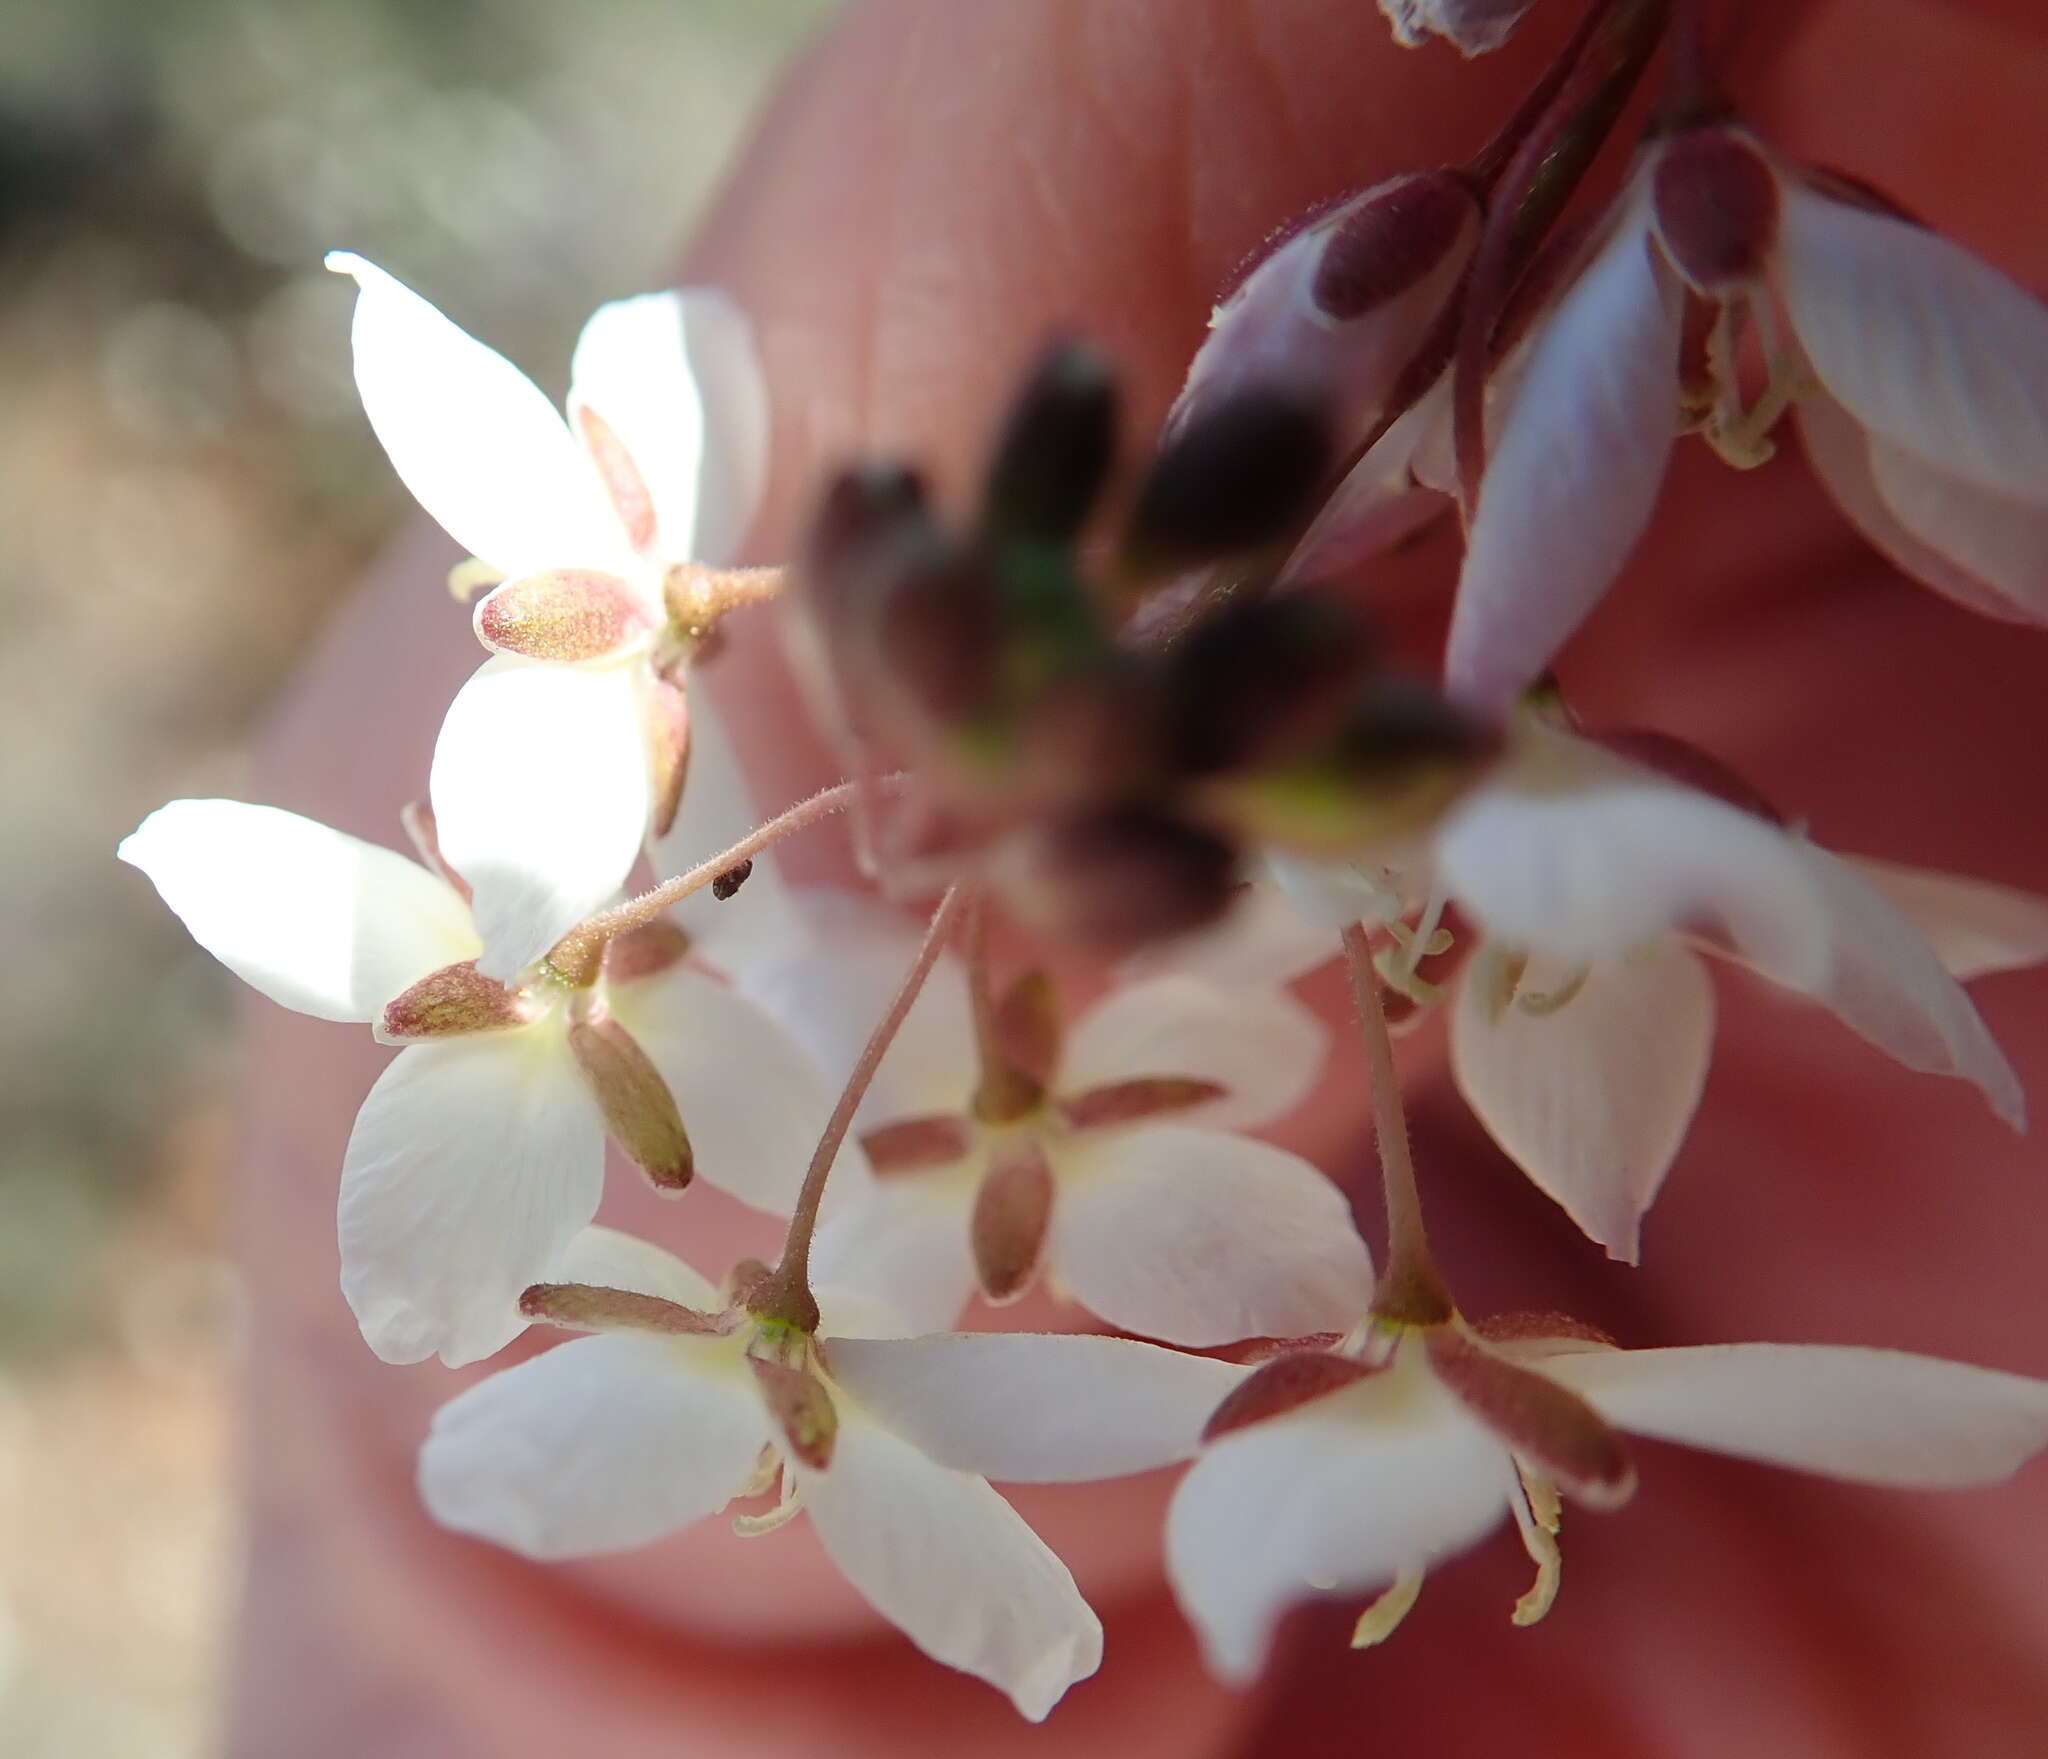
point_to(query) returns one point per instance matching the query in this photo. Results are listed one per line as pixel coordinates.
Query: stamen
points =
(1380, 1620)
(765, 1470)
(1538, 1514)
(1543, 1003)
(785, 1511)
(1742, 438)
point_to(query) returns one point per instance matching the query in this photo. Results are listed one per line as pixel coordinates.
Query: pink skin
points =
(1018, 169)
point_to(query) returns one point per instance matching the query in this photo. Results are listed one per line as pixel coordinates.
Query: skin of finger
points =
(792, 242)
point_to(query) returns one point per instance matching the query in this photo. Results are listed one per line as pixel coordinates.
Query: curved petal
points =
(905, 1242)
(1571, 482)
(596, 1445)
(318, 921)
(1839, 452)
(675, 377)
(474, 439)
(1343, 1496)
(607, 1259)
(1975, 927)
(760, 921)
(1886, 982)
(540, 790)
(1592, 1101)
(1264, 1048)
(471, 1167)
(1871, 1416)
(752, 1101)
(1582, 872)
(1919, 340)
(1201, 1238)
(1041, 1408)
(950, 1564)
(1991, 536)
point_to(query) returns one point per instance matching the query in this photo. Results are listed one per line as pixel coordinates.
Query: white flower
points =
(1110, 1169)
(1327, 1474)
(562, 750)
(1918, 377)
(479, 1153)
(685, 1403)
(1582, 1024)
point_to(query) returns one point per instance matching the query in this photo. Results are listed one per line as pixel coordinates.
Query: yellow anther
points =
(1538, 1514)
(754, 1526)
(1380, 1620)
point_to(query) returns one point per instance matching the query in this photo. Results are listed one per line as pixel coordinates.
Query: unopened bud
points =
(1716, 209)
(449, 1003)
(1282, 1385)
(1056, 450)
(1120, 878)
(638, 1108)
(567, 615)
(1012, 1210)
(938, 636)
(1472, 27)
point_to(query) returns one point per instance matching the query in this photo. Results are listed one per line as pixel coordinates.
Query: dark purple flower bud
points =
(1056, 449)
(1119, 878)
(1239, 475)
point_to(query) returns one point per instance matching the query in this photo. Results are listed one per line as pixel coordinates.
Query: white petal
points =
(1872, 1416)
(1580, 872)
(1262, 1046)
(540, 789)
(906, 1242)
(675, 376)
(1919, 340)
(1991, 536)
(607, 1259)
(1201, 1238)
(1383, 1477)
(1975, 927)
(943, 1557)
(1336, 894)
(1592, 1101)
(1037, 1408)
(596, 1445)
(1378, 503)
(759, 921)
(1571, 482)
(1838, 449)
(479, 445)
(470, 1169)
(1264, 942)
(1887, 983)
(318, 921)
(752, 1101)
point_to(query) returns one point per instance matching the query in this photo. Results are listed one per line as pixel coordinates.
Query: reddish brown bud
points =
(801, 1406)
(1547, 1425)
(450, 1002)
(668, 751)
(1716, 203)
(938, 636)
(1390, 240)
(1012, 1209)
(568, 615)
(638, 1108)
(1234, 476)
(1284, 1384)
(628, 490)
(1132, 1102)
(645, 951)
(1056, 449)
(584, 1307)
(914, 1144)
(1120, 878)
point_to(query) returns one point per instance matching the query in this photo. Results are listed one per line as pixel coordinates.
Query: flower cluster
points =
(1147, 720)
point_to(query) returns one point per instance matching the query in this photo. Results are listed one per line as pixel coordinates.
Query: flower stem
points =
(576, 955)
(1411, 1292)
(785, 1294)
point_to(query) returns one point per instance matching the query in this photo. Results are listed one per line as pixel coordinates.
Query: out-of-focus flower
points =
(1473, 27)
(479, 1153)
(1327, 1473)
(1583, 1017)
(1917, 374)
(685, 1402)
(564, 748)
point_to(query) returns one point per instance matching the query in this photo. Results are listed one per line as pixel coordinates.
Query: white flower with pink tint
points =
(565, 748)
(1917, 374)
(684, 1402)
(1329, 1473)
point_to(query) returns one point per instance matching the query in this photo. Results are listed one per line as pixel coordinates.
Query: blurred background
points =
(187, 488)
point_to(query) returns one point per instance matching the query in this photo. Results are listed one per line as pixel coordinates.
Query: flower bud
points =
(638, 1108)
(1715, 206)
(1012, 1209)
(566, 615)
(1056, 450)
(449, 1003)
(1122, 877)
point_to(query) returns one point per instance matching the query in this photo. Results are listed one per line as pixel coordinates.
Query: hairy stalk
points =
(785, 1294)
(1410, 1292)
(577, 954)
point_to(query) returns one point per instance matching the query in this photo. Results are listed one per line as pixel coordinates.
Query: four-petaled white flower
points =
(563, 750)
(1328, 1473)
(685, 1402)
(479, 1153)
(1108, 1164)
(1582, 1024)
